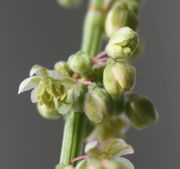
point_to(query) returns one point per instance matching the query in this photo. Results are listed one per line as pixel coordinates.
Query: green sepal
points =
(62, 166)
(120, 16)
(46, 113)
(109, 149)
(110, 128)
(140, 111)
(63, 67)
(97, 104)
(80, 63)
(118, 78)
(38, 70)
(122, 44)
(82, 164)
(75, 99)
(93, 163)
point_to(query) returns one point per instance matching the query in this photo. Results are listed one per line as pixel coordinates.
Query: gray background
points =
(39, 31)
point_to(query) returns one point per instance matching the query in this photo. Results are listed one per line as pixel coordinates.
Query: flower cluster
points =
(86, 85)
(101, 87)
(101, 91)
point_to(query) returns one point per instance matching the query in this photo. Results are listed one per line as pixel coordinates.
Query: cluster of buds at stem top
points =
(140, 111)
(68, 3)
(122, 13)
(122, 44)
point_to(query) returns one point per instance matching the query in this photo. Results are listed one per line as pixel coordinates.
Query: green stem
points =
(74, 133)
(94, 27)
(76, 123)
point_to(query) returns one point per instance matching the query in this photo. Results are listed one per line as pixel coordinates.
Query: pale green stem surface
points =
(74, 133)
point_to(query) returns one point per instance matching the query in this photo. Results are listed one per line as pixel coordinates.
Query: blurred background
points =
(40, 32)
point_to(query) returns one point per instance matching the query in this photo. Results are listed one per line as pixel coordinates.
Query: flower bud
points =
(80, 62)
(140, 111)
(48, 113)
(133, 6)
(68, 3)
(82, 164)
(94, 164)
(63, 67)
(119, 16)
(105, 164)
(97, 104)
(110, 164)
(62, 166)
(110, 128)
(118, 78)
(116, 18)
(122, 44)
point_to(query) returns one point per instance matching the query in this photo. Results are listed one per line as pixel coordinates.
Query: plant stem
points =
(75, 125)
(74, 133)
(94, 27)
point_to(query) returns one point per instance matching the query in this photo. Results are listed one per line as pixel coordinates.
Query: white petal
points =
(28, 84)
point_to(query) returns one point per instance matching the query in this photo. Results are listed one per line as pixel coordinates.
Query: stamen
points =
(101, 54)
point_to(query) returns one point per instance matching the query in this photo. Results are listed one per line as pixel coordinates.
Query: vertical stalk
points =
(94, 26)
(74, 133)
(75, 125)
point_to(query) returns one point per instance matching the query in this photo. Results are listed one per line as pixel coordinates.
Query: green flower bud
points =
(97, 104)
(110, 164)
(93, 163)
(133, 6)
(62, 166)
(110, 128)
(80, 62)
(122, 44)
(119, 16)
(68, 3)
(118, 78)
(137, 52)
(63, 67)
(82, 164)
(48, 113)
(116, 18)
(140, 111)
